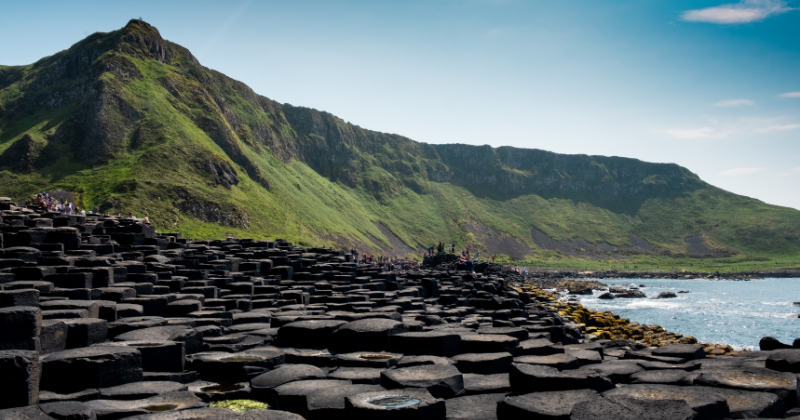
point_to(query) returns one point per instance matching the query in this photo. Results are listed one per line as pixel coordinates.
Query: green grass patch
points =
(240, 406)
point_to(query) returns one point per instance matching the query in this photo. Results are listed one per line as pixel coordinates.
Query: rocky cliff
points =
(131, 122)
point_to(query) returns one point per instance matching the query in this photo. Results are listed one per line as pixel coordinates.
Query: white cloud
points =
(790, 95)
(786, 127)
(797, 169)
(697, 133)
(734, 102)
(745, 11)
(741, 171)
(723, 128)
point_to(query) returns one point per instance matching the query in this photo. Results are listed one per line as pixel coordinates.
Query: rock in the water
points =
(772, 343)
(666, 295)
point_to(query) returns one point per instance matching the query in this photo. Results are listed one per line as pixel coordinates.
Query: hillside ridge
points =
(128, 121)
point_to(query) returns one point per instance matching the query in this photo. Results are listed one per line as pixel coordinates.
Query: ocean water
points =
(737, 313)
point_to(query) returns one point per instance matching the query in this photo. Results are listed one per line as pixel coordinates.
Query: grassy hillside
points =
(130, 122)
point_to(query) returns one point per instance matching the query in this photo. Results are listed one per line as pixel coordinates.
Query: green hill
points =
(129, 122)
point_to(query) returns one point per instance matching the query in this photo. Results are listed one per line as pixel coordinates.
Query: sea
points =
(736, 313)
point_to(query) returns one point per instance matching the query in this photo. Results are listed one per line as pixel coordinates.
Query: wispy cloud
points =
(718, 129)
(786, 127)
(790, 95)
(697, 133)
(226, 25)
(745, 11)
(734, 102)
(741, 171)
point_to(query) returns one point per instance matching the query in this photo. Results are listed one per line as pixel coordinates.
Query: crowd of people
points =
(386, 264)
(67, 207)
(465, 260)
(60, 205)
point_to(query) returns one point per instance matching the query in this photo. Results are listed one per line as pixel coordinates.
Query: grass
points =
(240, 406)
(331, 179)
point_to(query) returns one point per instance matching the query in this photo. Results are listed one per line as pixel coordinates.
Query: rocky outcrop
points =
(22, 155)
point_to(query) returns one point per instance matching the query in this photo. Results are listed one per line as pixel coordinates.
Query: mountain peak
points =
(140, 38)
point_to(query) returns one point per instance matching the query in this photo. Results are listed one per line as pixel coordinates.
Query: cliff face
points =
(128, 120)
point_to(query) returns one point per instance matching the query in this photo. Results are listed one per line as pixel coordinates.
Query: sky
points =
(710, 85)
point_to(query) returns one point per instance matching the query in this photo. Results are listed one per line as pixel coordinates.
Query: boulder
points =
(542, 405)
(626, 408)
(442, 381)
(400, 404)
(787, 360)
(371, 334)
(772, 343)
(474, 407)
(486, 384)
(433, 343)
(20, 373)
(90, 367)
(282, 375)
(707, 402)
(525, 378)
(20, 327)
(308, 334)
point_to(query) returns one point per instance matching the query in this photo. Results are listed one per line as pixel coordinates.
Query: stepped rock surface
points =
(318, 336)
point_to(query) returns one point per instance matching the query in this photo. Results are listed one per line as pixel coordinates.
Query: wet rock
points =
(666, 295)
(282, 375)
(707, 402)
(358, 375)
(329, 403)
(542, 405)
(606, 296)
(474, 407)
(293, 396)
(772, 343)
(626, 408)
(20, 327)
(561, 361)
(787, 360)
(681, 351)
(442, 381)
(398, 404)
(433, 343)
(69, 410)
(193, 340)
(308, 334)
(172, 401)
(525, 378)
(90, 367)
(483, 363)
(371, 334)
(20, 373)
(782, 384)
(140, 390)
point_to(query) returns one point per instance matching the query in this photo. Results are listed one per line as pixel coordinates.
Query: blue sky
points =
(710, 85)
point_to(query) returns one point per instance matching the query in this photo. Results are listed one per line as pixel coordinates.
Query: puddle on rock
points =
(394, 401)
(160, 407)
(241, 359)
(216, 389)
(375, 356)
